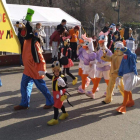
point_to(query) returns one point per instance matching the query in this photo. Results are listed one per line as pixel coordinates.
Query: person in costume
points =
(128, 71)
(66, 55)
(111, 38)
(102, 67)
(33, 61)
(81, 63)
(115, 60)
(59, 85)
(88, 56)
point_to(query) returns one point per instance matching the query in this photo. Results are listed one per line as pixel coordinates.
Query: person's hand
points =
(104, 53)
(78, 46)
(42, 73)
(61, 82)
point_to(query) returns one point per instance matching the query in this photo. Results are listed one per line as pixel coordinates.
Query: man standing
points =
(63, 24)
(74, 33)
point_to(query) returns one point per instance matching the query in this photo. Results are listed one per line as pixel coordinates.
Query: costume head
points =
(117, 48)
(26, 29)
(103, 40)
(66, 41)
(112, 28)
(56, 67)
(88, 44)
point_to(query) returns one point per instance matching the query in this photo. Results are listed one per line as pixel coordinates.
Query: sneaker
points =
(74, 82)
(90, 94)
(63, 116)
(52, 122)
(81, 91)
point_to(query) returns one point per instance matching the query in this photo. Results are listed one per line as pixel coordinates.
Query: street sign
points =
(8, 39)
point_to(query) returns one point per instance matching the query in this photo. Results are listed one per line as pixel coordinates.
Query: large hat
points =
(56, 66)
(119, 45)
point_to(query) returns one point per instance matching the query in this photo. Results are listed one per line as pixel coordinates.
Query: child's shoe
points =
(52, 122)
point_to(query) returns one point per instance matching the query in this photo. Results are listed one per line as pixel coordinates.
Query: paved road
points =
(89, 119)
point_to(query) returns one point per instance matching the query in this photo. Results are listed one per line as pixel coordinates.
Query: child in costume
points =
(128, 71)
(66, 55)
(88, 56)
(59, 85)
(33, 62)
(102, 67)
(81, 63)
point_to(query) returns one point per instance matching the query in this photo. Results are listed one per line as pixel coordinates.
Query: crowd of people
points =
(111, 56)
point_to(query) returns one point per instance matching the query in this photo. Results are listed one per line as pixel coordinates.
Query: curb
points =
(21, 68)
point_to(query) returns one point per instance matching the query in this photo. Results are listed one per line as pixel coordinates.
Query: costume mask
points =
(117, 48)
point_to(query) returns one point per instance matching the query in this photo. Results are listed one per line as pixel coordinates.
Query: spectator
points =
(74, 33)
(39, 32)
(55, 41)
(95, 43)
(62, 24)
(106, 28)
(118, 27)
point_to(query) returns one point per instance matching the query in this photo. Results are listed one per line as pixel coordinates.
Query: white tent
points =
(48, 16)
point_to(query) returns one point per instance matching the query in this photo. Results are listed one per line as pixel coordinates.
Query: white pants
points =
(54, 49)
(105, 74)
(89, 70)
(130, 81)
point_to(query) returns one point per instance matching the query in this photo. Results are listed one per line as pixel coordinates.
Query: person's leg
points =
(130, 101)
(84, 77)
(53, 49)
(41, 85)
(68, 73)
(64, 114)
(54, 121)
(75, 50)
(122, 108)
(109, 91)
(72, 48)
(106, 76)
(26, 89)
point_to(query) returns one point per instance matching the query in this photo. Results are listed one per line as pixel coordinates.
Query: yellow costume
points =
(115, 60)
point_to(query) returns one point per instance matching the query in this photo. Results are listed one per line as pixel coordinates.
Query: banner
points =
(8, 39)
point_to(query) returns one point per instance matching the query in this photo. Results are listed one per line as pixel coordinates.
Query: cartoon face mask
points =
(103, 42)
(117, 48)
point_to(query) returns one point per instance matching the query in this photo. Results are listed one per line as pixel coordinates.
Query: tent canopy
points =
(48, 16)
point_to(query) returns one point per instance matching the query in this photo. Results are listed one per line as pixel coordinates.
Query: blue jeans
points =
(26, 89)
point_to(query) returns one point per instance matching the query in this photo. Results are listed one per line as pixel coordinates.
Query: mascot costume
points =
(59, 85)
(128, 71)
(87, 56)
(115, 60)
(102, 67)
(33, 62)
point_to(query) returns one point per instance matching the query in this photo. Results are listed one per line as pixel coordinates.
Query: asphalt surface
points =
(88, 120)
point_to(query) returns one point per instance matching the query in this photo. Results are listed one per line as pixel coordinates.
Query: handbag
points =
(64, 60)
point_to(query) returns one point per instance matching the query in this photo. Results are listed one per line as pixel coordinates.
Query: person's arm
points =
(78, 35)
(42, 63)
(106, 58)
(49, 76)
